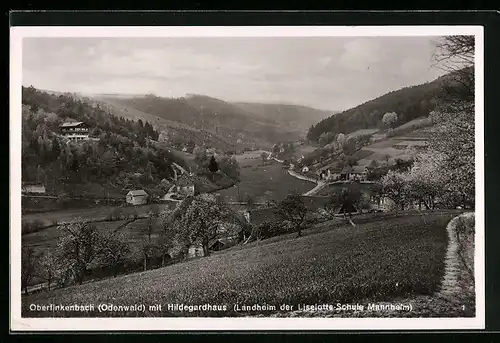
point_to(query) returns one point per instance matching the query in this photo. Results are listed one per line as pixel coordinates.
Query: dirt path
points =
(451, 300)
(316, 189)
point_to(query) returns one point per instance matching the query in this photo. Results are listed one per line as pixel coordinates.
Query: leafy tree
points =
(250, 201)
(390, 119)
(115, 251)
(198, 220)
(345, 199)
(229, 166)
(293, 210)
(164, 244)
(395, 187)
(79, 247)
(325, 138)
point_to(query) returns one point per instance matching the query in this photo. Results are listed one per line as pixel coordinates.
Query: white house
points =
(137, 197)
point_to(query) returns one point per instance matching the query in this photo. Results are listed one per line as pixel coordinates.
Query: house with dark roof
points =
(354, 173)
(137, 197)
(221, 243)
(330, 172)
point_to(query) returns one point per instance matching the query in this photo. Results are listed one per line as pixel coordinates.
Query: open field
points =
(379, 261)
(259, 179)
(249, 157)
(331, 188)
(93, 213)
(363, 132)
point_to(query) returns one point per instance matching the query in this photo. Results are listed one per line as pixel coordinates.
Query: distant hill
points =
(261, 124)
(295, 117)
(409, 103)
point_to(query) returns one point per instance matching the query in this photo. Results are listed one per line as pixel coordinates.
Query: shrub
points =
(32, 226)
(116, 214)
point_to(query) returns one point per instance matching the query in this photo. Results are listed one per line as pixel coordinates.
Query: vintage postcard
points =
(247, 178)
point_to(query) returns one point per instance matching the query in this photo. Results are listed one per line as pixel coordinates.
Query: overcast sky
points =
(328, 73)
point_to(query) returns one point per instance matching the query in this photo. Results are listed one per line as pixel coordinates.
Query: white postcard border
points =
(204, 324)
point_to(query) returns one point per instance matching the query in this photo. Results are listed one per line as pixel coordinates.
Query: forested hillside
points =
(120, 157)
(237, 124)
(408, 103)
(294, 117)
(175, 133)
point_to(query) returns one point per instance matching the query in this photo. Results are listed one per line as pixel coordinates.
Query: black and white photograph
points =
(290, 177)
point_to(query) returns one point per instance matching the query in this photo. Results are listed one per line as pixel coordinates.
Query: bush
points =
(32, 226)
(116, 214)
(270, 229)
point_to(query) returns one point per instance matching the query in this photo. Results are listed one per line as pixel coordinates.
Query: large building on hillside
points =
(75, 131)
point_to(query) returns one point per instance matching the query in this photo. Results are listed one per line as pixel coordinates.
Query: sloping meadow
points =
(380, 261)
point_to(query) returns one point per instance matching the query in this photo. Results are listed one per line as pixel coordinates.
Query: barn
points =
(137, 197)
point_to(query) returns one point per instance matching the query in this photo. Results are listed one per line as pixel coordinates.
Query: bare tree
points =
(28, 266)
(49, 268)
(455, 55)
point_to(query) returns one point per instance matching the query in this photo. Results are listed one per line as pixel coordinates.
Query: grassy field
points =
(257, 179)
(333, 188)
(93, 213)
(379, 261)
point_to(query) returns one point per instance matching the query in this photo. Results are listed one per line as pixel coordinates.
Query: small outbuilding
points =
(185, 185)
(137, 197)
(37, 188)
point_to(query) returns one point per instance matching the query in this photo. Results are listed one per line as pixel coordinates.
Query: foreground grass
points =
(380, 261)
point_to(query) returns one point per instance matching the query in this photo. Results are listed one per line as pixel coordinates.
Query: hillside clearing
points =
(379, 261)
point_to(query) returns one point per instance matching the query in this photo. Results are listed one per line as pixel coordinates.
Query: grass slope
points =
(379, 261)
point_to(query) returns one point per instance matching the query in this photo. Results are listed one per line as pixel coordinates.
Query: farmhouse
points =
(330, 172)
(185, 185)
(359, 173)
(354, 173)
(33, 188)
(75, 131)
(137, 197)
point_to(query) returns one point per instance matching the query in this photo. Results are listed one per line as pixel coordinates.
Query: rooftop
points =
(72, 124)
(137, 192)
